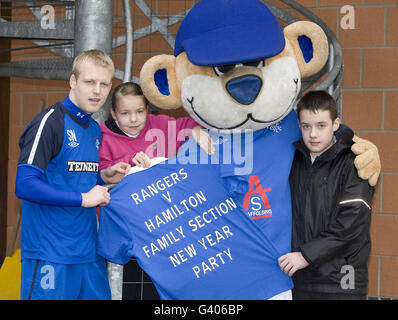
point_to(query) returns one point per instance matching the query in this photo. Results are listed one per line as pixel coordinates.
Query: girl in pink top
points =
(133, 136)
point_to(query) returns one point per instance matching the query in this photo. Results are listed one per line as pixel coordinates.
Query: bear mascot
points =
(238, 74)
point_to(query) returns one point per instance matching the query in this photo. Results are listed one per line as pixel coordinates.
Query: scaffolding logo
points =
(257, 198)
(47, 21)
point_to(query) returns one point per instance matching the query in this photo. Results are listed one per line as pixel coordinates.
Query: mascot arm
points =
(367, 160)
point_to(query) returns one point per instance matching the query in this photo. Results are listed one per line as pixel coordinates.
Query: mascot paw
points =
(367, 161)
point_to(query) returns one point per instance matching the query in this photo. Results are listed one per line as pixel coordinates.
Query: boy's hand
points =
(98, 195)
(141, 159)
(291, 262)
(115, 173)
(203, 139)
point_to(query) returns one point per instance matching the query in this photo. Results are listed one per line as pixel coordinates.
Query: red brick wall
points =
(370, 103)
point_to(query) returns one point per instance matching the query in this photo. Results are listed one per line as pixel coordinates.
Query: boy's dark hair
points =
(126, 89)
(318, 100)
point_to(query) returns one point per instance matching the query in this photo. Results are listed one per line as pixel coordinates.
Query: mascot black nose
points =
(244, 89)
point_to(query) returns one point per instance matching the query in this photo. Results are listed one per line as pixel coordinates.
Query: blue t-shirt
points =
(189, 236)
(189, 226)
(66, 151)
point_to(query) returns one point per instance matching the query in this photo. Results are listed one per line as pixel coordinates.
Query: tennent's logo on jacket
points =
(82, 166)
(256, 201)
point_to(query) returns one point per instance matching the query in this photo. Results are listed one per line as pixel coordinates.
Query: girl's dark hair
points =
(318, 100)
(127, 89)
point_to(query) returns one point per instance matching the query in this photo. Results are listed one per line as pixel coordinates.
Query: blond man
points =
(59, 183)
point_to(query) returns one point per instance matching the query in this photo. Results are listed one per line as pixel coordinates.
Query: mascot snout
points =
(244, 89)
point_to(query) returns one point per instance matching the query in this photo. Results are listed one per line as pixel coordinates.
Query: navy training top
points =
(62, 142)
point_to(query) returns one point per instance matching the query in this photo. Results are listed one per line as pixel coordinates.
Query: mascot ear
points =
(158, 82)
(310, 46)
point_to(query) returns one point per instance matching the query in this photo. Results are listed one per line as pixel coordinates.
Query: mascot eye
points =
(257, 64)
(221, 70)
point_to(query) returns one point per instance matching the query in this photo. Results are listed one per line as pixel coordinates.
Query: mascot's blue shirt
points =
(207, 227)
(264, 192)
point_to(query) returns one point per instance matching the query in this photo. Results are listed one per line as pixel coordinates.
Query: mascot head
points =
(234, 66)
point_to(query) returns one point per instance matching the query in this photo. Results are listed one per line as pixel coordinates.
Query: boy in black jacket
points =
(331, 208)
